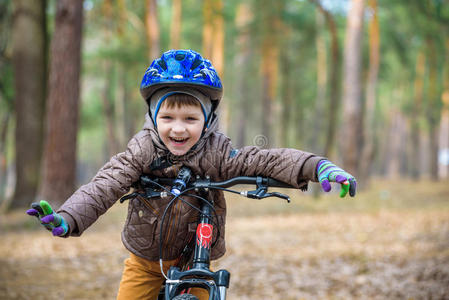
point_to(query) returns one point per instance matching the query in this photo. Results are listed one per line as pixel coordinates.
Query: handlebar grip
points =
(276, 183)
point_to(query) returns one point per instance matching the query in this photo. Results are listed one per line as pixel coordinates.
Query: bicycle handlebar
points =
(206, 183)
(185, 181)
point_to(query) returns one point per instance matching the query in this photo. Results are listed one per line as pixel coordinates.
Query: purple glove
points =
(328, 172)
(49, 219)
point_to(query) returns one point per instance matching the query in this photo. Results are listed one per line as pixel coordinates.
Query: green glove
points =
(328, 172)
(50, 220)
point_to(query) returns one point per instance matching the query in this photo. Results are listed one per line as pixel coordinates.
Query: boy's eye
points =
(191, 118)
(166, 117)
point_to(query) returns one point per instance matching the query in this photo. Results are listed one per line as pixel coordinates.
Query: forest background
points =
(365, 83)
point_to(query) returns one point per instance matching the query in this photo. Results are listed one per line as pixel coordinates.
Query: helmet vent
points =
(196, 63)
(162, 63)
(180, 56)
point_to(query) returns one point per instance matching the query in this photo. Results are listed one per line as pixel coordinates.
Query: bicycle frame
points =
(200, 274)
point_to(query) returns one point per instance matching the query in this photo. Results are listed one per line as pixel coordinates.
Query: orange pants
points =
(142, 279)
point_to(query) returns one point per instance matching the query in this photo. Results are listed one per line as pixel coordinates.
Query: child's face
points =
(180, 127)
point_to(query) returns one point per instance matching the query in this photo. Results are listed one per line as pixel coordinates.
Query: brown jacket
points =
(212, 156)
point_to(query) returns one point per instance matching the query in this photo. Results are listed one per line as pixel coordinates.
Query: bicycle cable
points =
(161, 264)
(172, 201)
(215, 223)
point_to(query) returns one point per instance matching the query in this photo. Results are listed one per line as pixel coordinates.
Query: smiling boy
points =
(182, 91)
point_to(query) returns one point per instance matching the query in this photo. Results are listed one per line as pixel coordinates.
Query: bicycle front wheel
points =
(186, 297)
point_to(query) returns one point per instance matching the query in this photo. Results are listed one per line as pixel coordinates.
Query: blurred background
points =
(363, 82)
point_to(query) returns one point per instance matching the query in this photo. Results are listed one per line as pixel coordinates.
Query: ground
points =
(390, 242)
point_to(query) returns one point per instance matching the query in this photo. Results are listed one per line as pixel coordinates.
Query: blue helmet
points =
(182, 68)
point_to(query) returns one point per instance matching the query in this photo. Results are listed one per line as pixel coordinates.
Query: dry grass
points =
(390, 242)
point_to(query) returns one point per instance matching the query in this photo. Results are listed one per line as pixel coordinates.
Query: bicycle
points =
(193, 270)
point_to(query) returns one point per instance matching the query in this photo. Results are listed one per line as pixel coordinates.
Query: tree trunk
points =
(352, 105)
(123, 111)
(29, 36)
(444, 135)
(433, 108)
(128, 120)
(4, 126)
(321, 87)
(120, 112)
(415, 168)
(109, 111)
(395, 145)
(153, 31)
(122, 17)
(213, 47)
(286, 94)
(242, 60)
(108, 94)
(59, 167)
(334, 81)
(371, 96)
(270, 25)
(445, 110)
(175, 30)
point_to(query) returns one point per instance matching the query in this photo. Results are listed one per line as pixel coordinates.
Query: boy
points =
(182, 91)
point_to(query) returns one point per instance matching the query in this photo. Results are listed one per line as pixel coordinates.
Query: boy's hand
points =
(49, 219)
(328, 172)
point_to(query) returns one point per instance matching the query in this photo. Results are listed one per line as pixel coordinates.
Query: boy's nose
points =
(178, 128)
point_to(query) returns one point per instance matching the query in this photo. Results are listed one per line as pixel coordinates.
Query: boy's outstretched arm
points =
(291, 166)
(328, 172)
(113, 180)
(93, 199)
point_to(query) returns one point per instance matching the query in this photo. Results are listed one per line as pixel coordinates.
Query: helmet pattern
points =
(182, 68)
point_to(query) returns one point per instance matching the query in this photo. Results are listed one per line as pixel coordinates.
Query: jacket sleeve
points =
(112, 181)
(291, 166)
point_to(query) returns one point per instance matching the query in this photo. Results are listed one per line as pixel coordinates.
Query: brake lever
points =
(261, 193)
(129, 196)
(149, 194)
(279, 195)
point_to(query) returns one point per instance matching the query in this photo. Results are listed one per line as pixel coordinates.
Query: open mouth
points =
(178, 140)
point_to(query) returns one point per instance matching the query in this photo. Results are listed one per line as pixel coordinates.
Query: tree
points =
(334, 81)
(433, 106)
(59, 167)
(416, 114)
(321, 86)
(6, 92)
(445, 100)
(152, 29)
(270, 25)
(107, 95)
(242, 61)
(286, 87)
(352, 98)
(175, 26)
(371, 93)
(30, 72)
(213, 47)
